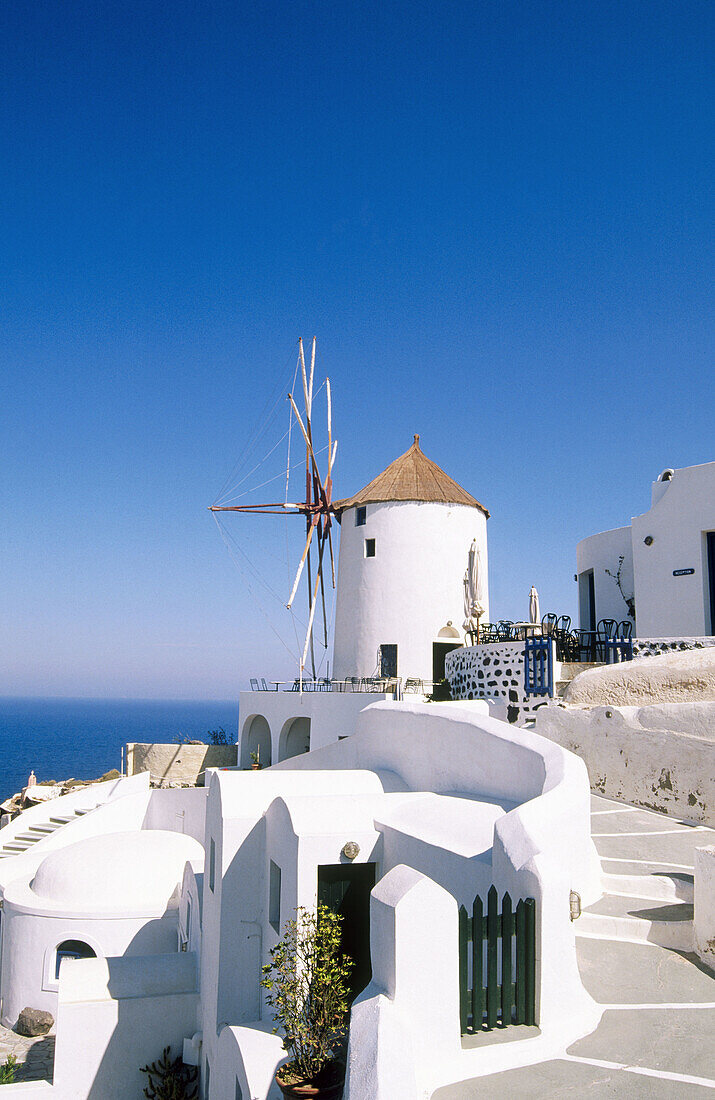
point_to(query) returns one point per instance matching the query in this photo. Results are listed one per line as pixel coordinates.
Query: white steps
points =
(37, 832)
(642, 909)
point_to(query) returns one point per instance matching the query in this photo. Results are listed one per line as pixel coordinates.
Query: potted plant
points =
(256, 760)
(307, 983)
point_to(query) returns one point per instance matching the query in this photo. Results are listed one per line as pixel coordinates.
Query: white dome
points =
(134, 871)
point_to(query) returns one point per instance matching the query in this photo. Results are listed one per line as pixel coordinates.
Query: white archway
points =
(295, 738)
(256, 737)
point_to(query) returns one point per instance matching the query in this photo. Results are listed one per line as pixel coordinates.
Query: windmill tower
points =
(404, 548)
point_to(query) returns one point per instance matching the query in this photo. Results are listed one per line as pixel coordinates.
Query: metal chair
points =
(549, 623)
(504, 630)
(606, 631)
(625, 629)
(264, 685)
(254, 684)
(586, 642)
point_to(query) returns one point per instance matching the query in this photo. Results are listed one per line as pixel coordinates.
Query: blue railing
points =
(539, 666)
(616, 650)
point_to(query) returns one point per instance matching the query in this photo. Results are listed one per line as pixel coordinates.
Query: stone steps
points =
(639, 918)
(39, 831)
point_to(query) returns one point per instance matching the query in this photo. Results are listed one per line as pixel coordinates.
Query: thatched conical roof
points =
(412, 476)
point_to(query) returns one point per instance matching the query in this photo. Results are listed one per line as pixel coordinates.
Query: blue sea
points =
(83, 738)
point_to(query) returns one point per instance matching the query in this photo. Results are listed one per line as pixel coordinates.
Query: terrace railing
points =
(616, 650)
(497, 964)
(539, 666)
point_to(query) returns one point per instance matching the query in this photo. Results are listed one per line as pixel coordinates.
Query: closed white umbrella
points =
(534, 611)
(476, 592)
(467, 625)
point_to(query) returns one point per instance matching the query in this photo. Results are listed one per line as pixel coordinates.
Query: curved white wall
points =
(599, 553)
(410, 589)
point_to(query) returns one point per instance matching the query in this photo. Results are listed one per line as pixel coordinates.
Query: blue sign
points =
(683, 572)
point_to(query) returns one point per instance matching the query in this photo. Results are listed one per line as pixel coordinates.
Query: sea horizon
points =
(81, 737)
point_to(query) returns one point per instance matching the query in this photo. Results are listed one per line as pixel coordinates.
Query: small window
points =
(274, 897)
(212, 865)
(72, 949)
(360, 517)
(369, 548)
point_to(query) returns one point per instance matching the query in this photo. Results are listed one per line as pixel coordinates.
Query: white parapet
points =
(705, 904)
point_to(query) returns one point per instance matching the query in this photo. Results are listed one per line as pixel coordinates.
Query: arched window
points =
(72, 949)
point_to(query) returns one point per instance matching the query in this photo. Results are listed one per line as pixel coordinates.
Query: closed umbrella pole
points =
(475, 584)
(534, 611)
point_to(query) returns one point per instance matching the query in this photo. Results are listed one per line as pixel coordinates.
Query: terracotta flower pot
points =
(326, 1085)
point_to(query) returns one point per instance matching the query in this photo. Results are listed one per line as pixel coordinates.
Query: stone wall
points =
(494, 671)
(179, 763)
(654, 647)
(651, 756)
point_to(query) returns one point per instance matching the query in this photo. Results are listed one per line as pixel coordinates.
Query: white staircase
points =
(21, 842)
(648, 908)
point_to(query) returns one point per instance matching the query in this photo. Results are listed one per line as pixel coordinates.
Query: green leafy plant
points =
(307, 983)
(7, 1070)
(170, 1079)
(219, 736)
(256, 758)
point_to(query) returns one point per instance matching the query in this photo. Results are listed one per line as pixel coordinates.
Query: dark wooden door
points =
(388, 661)
(345, 888)
(439, 652)
(711, 578)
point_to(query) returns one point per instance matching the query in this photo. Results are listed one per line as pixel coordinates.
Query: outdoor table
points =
(277, 683)
(524, 628)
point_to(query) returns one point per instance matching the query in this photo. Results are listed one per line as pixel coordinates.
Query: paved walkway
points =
(656, 1038)
(35, 1057)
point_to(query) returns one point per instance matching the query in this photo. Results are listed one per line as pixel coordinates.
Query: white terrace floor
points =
(656, 1038)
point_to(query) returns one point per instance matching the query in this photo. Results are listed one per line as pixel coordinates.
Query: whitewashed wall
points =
(266, 717)
(683, 511)
(661, 757)
(412, 587)
(599, 553)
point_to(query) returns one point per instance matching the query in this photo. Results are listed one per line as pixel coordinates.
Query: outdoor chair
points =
(264, 685)
(504, 630)
(606, 631)
(562, 636)
(549, 623)
(413, 685)
(625, 629)
(586, 643)
(254, 684)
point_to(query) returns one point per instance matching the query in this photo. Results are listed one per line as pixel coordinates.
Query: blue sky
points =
(496, 217)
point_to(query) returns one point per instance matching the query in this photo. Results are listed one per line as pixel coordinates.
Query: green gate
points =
(507, 941)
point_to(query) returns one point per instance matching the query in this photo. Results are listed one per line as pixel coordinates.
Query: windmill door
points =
(345, 888)
(439, 652)
(388, 661)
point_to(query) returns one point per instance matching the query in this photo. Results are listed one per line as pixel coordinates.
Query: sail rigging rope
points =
(261, 426)
(254, 596)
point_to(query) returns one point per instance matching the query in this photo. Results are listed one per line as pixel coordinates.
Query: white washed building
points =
(404, 547)
(668, 566)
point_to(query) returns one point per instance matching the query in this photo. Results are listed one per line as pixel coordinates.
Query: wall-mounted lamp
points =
(574, 905)
(648, 540)
(350, 850)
